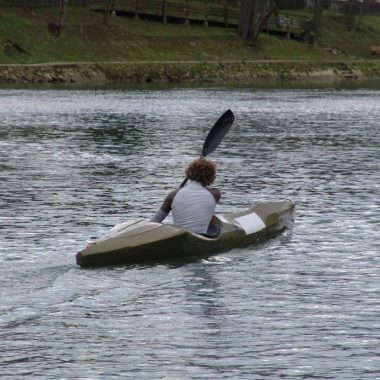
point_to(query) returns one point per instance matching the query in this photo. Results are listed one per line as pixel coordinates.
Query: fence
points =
(39, 3)
(218, 13)
(202, 11)
(359, 6)
(189, 11)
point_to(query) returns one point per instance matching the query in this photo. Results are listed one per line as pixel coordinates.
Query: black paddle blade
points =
(217, 133)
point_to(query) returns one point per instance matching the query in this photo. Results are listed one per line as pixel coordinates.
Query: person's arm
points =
(159, 216)
(216, 194)
(166, 207)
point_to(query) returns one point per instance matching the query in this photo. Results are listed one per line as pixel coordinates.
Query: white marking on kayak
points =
(250, 223)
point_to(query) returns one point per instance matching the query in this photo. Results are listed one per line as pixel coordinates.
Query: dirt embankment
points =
(188, 72)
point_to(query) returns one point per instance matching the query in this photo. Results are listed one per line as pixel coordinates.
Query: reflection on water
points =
(304, 305)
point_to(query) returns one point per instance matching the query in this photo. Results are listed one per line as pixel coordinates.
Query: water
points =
(304, 305)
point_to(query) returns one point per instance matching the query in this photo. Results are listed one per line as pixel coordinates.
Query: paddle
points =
(216, 135)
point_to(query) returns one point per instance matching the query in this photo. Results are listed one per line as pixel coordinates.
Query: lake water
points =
(304, 305)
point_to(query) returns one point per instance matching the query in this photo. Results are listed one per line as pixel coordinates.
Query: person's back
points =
(193, 206)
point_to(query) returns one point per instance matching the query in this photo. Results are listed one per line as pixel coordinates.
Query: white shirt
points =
(193, 207)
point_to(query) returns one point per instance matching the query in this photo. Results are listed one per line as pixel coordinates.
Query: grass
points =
(85, 38)
(353, 44)
(371, 23)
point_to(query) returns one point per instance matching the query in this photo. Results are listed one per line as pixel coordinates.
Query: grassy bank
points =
(25, 39)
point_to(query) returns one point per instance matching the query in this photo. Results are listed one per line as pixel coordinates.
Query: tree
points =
(54, 28)
(62, 14)
(253, 16)
(317, 19)
(354, 13)
(107, 11)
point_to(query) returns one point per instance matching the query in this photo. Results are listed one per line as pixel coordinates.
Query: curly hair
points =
(201, 170)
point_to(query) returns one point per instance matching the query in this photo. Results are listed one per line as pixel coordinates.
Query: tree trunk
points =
(318, 10)
(56, 28)
(253, 16)
(62, 15)
(360, 14)
(107, 11)
(354, 12)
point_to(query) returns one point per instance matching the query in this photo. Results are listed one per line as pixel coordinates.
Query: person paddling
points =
(193, 205)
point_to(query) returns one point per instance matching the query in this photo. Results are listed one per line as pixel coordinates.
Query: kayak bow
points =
(142, 241)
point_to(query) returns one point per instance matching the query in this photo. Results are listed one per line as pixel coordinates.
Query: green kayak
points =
(142, 241)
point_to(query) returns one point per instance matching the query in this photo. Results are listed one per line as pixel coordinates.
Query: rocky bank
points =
(189, 72)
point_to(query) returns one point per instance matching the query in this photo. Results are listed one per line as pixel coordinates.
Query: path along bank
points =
(189, 72)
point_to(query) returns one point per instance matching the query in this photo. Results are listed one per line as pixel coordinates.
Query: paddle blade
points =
(217, 133)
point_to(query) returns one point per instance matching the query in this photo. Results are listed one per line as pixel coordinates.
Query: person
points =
(193, 205)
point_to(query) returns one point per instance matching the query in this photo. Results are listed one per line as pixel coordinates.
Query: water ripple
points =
(304, 305)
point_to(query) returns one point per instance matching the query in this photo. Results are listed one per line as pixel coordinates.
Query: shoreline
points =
(217, 72)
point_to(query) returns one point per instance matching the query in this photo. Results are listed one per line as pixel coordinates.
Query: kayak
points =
(141, 241)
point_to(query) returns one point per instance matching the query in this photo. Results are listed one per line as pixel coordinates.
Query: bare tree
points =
(317, 19)
(253, 16)
(354, 13)
(56, 29)
(62, 14)
(107, 11)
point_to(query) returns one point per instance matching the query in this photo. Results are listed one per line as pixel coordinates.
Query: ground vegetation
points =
(140, 48)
